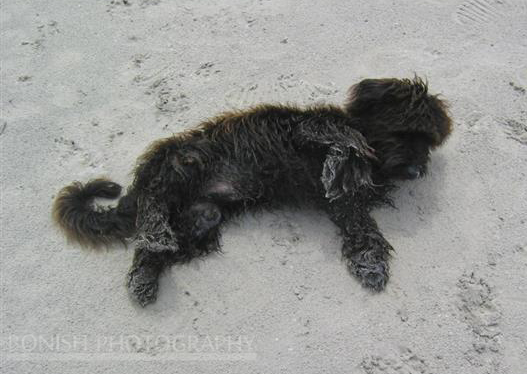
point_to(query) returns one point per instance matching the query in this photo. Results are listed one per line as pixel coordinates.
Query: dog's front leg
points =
(364, 248)
(347, 165)
(366, 252)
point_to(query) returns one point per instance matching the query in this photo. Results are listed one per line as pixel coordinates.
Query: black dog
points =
(340, 159)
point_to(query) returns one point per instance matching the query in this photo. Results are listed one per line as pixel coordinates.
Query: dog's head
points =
(401, 122)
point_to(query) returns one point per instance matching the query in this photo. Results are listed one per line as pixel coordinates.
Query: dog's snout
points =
(414, 171)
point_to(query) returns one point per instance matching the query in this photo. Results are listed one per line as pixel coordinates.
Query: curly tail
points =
(89, 226)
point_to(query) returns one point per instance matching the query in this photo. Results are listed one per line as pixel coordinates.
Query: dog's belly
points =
(292, 180)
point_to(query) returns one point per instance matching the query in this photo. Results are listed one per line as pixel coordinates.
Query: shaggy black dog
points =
(342, 160)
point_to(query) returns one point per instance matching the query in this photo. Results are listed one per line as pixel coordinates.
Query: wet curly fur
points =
(343, 160)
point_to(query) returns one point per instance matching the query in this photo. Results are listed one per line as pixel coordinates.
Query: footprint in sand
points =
(285, 88)
(494, 18)
(516, 130)
(167, 100)
(404, 362)
(115, 5)
(481, 314)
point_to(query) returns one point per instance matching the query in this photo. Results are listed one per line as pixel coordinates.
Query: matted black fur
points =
(343, 160)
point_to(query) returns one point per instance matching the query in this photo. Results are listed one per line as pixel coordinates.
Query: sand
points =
(87, 85)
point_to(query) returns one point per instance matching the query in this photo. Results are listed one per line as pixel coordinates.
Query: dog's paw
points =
(373, 272)
(142, 285)
(203, 217)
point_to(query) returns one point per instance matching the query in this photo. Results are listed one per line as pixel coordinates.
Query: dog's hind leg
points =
(364, 248)
(202, 217)
(154, 232)
(220, 198)
(148, 265)
(143, 276)
(198, 234)
(192, 233)
(156, 242)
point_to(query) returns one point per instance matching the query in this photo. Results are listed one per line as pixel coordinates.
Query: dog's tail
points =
(89, 226)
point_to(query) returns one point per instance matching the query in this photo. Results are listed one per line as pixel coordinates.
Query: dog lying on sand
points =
(343, 160)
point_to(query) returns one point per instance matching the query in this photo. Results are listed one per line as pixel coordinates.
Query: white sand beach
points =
(87, 85)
